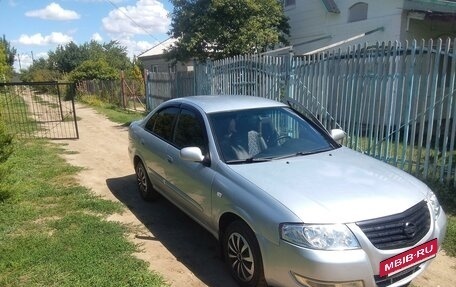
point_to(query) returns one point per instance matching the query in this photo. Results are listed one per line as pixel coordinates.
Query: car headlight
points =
(319, 236)
(435, 205)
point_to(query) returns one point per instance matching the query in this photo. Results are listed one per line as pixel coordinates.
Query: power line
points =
(134, 22)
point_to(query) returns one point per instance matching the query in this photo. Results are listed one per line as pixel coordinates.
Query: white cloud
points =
(88, 1)
(97, 38)
(53, 12)
(134, 48)
(143, 46)
(38, 39)
(23, 61)
(146, 17)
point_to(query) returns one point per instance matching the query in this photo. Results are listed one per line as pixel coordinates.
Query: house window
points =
(287, 3)
(171, 68)
(154, 69)
(357, 12)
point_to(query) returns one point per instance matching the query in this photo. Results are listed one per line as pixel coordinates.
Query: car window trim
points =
(313, 121)
(173, 124)
(199, 117)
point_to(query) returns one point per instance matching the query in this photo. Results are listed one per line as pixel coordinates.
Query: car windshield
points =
(265, 134)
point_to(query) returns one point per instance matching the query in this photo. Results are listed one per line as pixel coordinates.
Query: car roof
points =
(220, 103)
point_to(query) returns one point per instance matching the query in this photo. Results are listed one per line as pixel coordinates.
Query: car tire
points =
(243, 256)
(145, 187)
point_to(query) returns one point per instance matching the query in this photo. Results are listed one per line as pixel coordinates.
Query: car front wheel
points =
(145, 187)
(242, 255)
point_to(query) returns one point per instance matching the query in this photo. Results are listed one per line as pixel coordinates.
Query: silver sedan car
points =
(289, 205)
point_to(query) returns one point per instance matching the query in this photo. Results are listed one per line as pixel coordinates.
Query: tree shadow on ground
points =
(190, 243)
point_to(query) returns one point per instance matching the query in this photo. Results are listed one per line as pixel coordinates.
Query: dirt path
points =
(174, 246)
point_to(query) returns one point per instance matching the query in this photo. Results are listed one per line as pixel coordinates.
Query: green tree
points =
(5, 69)
(67, 58)
(117, 55)
(76, 62)
(9, 50)
(222, 28)
(40, 71)
(94, 69)
(112, 52)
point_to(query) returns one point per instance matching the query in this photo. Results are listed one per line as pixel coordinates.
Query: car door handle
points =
(141, 142)
(169, 159)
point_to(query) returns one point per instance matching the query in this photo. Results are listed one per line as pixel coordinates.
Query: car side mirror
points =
(338, 135)
(192, 154)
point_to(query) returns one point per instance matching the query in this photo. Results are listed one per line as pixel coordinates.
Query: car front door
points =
(191, 181)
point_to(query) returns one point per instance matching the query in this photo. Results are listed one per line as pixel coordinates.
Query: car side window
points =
(161, 123)
(189, 131)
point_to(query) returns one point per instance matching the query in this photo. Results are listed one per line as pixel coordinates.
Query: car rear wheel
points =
(145, 187)
(242, 255)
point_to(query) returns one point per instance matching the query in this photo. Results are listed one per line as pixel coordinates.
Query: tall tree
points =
(117, 55)
(112, 52)
(10, 52)
(94, 69)
(40, 71)
(66, 58)
(222, 28)
(5, 68)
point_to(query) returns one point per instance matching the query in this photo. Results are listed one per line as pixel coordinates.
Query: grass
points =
(54, 232)
(449, 245)
(13, 112)
(447, 198)
(111, 111)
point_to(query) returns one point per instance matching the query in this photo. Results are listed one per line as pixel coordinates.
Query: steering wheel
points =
(282, 139)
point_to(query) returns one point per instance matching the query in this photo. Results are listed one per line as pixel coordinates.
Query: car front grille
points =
(399, 230)
(387, 281)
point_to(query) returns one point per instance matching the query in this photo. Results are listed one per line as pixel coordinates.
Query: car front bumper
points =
(290, 265)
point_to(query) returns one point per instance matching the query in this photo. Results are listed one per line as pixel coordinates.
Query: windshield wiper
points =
(302, 153)
(247, 160)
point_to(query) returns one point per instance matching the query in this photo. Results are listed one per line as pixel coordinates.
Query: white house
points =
(327, 24)
(154, 59)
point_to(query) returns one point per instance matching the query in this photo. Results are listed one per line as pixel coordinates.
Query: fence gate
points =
(39, 110)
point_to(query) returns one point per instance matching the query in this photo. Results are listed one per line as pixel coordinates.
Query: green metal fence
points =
(396, 102)
(39, 110)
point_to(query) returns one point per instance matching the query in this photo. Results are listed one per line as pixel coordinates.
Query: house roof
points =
(159, 48)
(442, 6)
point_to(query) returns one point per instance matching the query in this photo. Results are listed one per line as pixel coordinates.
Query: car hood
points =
(339, 186)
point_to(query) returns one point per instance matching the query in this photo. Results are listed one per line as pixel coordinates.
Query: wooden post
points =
(122, 85)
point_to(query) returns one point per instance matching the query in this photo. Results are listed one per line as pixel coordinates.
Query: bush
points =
(6, 143)
(6, 148)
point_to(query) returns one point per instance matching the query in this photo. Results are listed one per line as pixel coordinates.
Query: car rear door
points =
(155, 142)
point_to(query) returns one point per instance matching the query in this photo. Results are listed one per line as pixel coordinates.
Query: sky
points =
(35, 27)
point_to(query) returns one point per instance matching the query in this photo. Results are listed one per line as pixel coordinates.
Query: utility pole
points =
(19, 60)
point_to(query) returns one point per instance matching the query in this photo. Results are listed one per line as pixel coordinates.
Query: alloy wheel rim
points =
(241, 257)
(142, 181)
